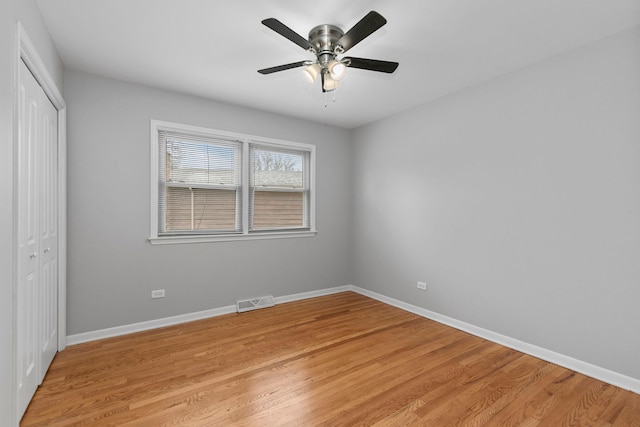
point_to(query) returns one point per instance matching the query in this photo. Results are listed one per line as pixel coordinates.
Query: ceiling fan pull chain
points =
(325, 100)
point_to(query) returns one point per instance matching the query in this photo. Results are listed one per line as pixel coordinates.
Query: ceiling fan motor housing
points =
(324, 38)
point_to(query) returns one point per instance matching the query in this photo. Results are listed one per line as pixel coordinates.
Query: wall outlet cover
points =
(158, 293)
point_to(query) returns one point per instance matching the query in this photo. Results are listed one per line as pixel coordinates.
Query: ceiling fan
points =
(327, 42)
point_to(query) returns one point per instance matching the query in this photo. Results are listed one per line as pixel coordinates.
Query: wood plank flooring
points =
(338, 360)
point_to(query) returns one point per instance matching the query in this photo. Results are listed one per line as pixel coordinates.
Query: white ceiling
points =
(213, 49)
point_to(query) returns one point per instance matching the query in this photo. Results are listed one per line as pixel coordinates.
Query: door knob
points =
(33, 255)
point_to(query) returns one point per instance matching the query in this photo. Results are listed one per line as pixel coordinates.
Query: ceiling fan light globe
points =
(329, 84)
(337, 69)
(311, 73)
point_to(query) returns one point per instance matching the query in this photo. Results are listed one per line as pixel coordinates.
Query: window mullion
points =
(245, 186)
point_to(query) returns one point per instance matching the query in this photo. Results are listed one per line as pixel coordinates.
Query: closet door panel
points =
(28, 221)
(48, 213)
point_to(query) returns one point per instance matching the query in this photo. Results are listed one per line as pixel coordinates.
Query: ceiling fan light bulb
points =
(337, 69)
(311, 73)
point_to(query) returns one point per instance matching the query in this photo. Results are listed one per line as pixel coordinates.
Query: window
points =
(278, 194)
(212, 185)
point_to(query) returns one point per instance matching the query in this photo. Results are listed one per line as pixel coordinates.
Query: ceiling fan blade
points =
(364, 28)
(287, 32)
(282, 67)
(372, 64)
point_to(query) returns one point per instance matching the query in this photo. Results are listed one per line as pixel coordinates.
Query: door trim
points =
(26, 51)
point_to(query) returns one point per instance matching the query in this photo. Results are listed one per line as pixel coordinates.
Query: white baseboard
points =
(312, 294)
(189, 317)
(602, 374)
(145, 326)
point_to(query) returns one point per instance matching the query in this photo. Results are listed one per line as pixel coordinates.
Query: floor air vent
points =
(254, 303)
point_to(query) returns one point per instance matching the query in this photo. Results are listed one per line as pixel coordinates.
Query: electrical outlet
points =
(422, 285)
(159, 293)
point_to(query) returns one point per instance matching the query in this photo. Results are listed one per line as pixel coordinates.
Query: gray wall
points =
(518, 202)
(11, 11)
(112, 268)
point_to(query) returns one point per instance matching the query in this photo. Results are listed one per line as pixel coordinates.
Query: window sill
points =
(174, 240)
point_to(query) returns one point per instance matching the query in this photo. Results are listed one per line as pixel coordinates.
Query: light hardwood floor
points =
(342, 359)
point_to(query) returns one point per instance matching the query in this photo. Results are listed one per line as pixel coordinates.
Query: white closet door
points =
(28, 235)
(48, 279)
(37, 293)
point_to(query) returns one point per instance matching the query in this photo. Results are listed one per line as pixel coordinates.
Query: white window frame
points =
(253, 189)
(155, 239)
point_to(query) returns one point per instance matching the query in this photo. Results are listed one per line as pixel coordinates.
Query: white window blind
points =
(200, 184)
